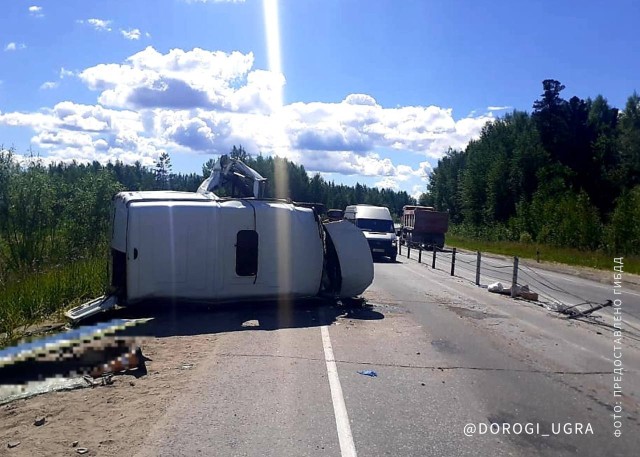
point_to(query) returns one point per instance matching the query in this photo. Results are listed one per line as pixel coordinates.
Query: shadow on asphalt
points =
(385, 260)
(183, 318)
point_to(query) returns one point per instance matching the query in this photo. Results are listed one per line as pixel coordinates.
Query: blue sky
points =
(370, 91)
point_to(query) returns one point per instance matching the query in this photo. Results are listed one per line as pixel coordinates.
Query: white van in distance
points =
(377, 225)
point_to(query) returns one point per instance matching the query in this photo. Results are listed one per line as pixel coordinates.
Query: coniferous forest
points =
(566, 175)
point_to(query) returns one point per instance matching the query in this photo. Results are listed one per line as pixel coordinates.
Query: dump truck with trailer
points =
(424, 225)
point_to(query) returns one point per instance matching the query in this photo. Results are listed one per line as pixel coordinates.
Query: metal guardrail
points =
(477, 268)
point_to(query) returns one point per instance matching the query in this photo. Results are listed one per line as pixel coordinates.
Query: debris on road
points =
(369, 373)
(39, 421)
(12, 444)
(528, 295)
(251, 323)
(82, 450)
(74, 444)
(521, 291)
(573, 312)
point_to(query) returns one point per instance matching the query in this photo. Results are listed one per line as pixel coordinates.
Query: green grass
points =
(567, 256)
(34, 297)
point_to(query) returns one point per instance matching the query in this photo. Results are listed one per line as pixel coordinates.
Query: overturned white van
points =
(201, 247)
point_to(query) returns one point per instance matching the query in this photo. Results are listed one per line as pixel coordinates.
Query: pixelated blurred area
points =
(71, 359)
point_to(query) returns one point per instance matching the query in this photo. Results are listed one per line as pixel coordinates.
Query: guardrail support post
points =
(538, 255)
(420, 254)
(408, 251)
(433, 262)
(478, 259)
(453, 262)
(514, 281)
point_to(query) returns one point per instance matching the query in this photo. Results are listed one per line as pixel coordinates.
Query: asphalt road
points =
(446, 354)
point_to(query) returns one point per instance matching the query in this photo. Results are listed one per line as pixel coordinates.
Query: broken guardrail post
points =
(514, 281)
(453, 262)
(420, 253)
(433, 262)
(478, 259)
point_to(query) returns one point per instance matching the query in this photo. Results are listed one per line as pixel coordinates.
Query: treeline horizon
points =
(60, 212)
(568, 175)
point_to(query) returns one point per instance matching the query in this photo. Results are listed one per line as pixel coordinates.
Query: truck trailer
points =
(424, 225)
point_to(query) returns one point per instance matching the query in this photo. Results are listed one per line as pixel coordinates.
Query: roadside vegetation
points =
(55, 220)
(565, 178)
(545, 253)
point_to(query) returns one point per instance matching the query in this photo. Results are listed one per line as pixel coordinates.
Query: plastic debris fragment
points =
(370, 373)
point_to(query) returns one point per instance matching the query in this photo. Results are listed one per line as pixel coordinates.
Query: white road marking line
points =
(347, 448)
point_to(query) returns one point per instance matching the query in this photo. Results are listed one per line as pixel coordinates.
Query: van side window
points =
(247, 253)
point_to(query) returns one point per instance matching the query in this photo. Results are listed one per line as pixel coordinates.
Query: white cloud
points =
(388, 183)
(101, 25)
(361, 127)
(64, 73)
(132, 34)
(185, 80)
(49, 85)
(36, 11)
(424, 169)
(360, 99)
(15, 46)
(201, 101)
(498, 108)
(418, 190)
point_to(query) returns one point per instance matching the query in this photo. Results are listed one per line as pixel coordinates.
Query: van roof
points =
(370, 211)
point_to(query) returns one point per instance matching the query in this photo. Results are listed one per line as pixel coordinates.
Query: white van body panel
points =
(183, 246)
(356, 264)
(187, 249)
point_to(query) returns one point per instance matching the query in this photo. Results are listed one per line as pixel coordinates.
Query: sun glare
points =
(281, 178)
